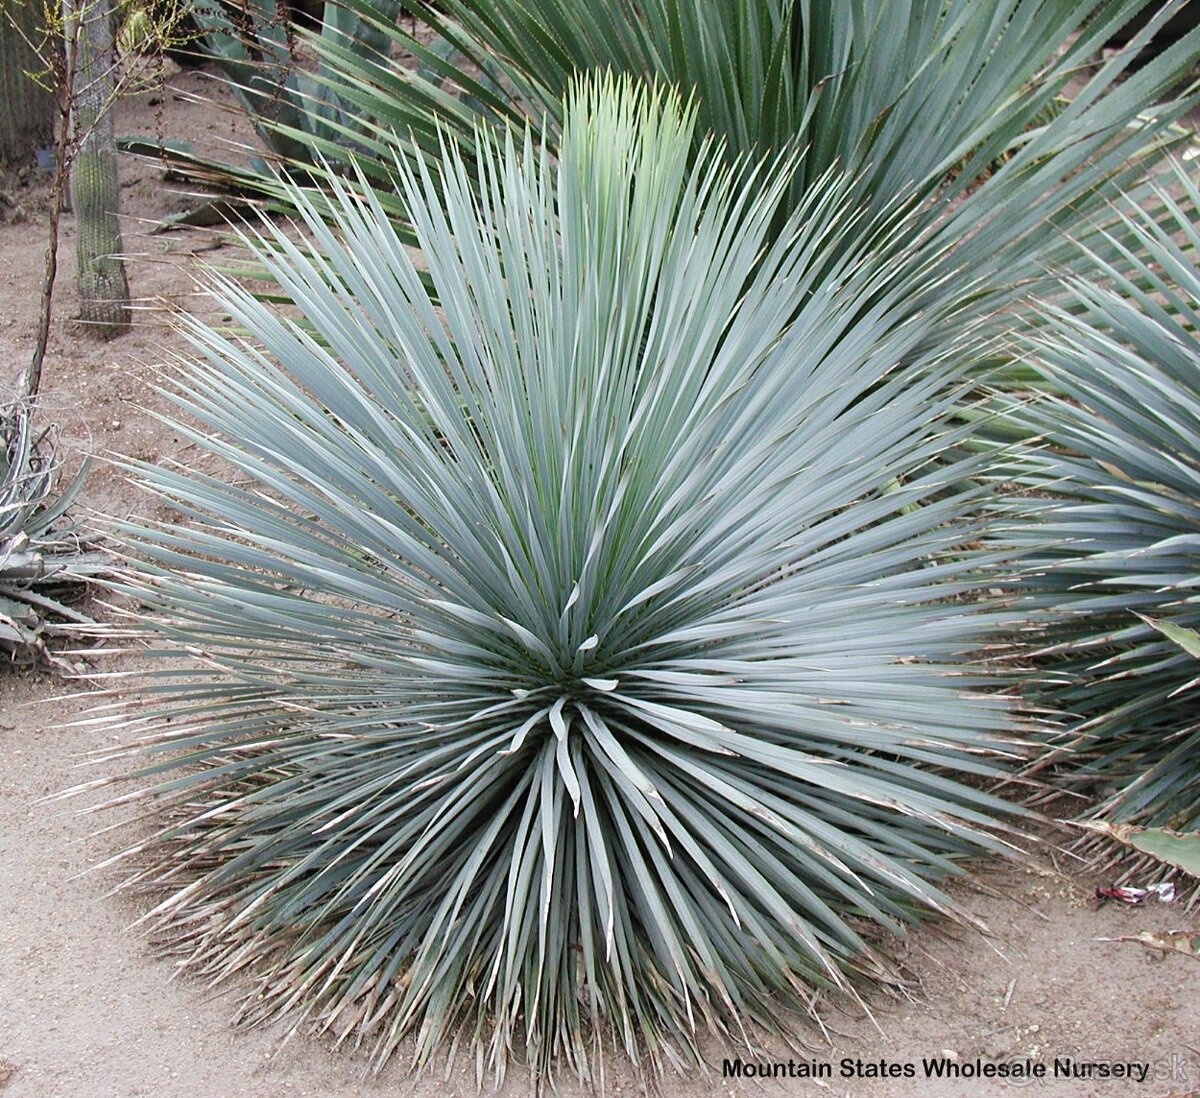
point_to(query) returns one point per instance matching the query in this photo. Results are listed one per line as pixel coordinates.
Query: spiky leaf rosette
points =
(44, 563)
(1125, 534)
(573, 659)
(961, 102)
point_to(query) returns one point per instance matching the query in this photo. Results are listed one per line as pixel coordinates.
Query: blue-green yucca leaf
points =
(568, 658)
(1125, 530)
(962, 103)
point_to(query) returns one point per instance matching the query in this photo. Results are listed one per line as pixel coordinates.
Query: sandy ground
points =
(87, 1011)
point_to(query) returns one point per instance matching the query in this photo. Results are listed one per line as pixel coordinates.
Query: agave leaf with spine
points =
(575, 663)
(1161, 846)
(43, 561)
(1187, 639)
(1124, 536)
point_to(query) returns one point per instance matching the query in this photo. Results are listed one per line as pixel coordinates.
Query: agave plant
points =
(576, 660)
(258, 52)
(43, 563)
(1118, 586)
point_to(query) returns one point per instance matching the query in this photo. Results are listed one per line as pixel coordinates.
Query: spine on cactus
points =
(103, 286)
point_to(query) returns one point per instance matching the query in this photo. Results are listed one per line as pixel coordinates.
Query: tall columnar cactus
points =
(27, 120)
(103, 286)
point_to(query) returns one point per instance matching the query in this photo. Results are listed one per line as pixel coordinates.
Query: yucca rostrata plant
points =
(1001, 116)
(1121, 573)
(572, 660)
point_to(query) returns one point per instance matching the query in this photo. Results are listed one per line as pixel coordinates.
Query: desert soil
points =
(87, 1010)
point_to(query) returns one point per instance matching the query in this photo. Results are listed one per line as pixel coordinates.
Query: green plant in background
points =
(27, 123)
(859, 85)
(1118, 586)
(995, 115)
(574, 663)
(43, 562)
(256, 48)
(155, 27)
(965, 105)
